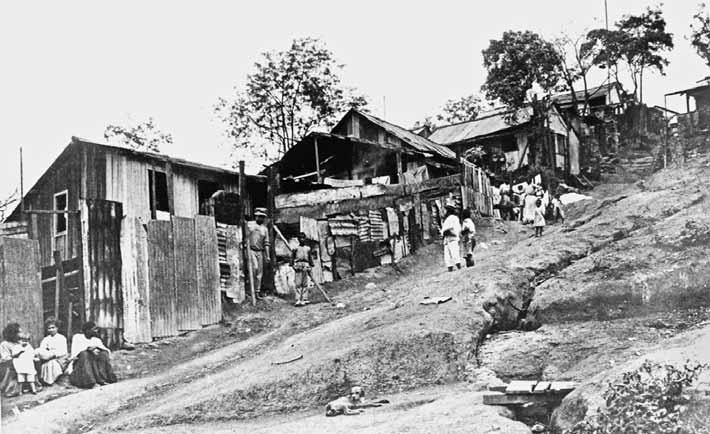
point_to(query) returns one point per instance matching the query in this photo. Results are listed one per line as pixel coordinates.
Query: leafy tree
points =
(518, 62)
(142, 136)
(289, 93)
(700, 33)
(461, 110)
(524, 70)
(576, 60)
(638, 41)
(650, 399)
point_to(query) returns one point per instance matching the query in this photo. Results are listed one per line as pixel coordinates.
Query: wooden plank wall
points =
(103, 296)
(136, 296)
(161, 276)
(186, 291)
(183, 280)
(127, 182)
(208, 282)
(20, 287)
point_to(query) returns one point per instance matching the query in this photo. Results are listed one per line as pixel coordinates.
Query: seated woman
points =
(90, 359)
(9, 347)
(52, 353)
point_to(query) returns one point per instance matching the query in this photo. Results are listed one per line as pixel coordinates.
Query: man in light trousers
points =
(451, 230)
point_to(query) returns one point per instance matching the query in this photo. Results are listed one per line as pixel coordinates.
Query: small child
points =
(539, 220)
(302, 262)
(557, 211)
(468, 237)
(24, 364)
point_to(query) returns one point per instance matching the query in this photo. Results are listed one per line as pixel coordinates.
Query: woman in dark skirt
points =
(8, 347)
(91, 364)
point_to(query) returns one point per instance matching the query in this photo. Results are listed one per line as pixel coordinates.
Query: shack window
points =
(158, 192)
(60, 220)
(205, 190)
(509, 144)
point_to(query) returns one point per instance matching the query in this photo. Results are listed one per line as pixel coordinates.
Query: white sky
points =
(69, 68)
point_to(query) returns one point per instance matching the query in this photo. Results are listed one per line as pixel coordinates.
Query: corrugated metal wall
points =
(101, 233)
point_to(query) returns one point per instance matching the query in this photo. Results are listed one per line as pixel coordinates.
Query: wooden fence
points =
(173, 280)
(476, 190)
(63, 295)
(20, 287)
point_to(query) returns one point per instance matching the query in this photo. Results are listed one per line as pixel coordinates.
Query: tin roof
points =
(486, 123)
(415, 141)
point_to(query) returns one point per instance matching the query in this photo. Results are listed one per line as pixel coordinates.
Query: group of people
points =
(528, 203)
(24, 368)
(459, 238)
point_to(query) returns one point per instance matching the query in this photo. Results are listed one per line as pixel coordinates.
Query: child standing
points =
(558, 212)
(539, 218)
(24, 363)
(302, 263)
(468, 237)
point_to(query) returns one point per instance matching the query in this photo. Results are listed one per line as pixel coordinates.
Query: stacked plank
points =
(363, 228)
(378, 229)
(527, 392)
(343, 226)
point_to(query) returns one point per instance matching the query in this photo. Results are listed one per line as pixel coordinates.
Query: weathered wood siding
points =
(208, 287)
(20, 287)
(162, 279)
(186, 291)
(136, 296)
(71, 291)
(186, 195)
(66, 175)
(102, 265)
(127, 182)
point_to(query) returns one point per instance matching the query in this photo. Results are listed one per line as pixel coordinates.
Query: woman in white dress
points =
(52, 353)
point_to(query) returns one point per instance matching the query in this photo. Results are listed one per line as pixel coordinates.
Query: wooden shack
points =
(508, 140)
(363, 149)
(78, 207)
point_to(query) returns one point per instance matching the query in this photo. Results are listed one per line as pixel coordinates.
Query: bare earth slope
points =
(633, 255)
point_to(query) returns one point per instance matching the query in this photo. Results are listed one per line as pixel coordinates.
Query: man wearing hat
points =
(259, 247)
(450, 230)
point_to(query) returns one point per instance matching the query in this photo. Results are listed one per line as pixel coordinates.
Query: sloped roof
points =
(486, 123)
(692, 90)
(594, 92)
(415, 141)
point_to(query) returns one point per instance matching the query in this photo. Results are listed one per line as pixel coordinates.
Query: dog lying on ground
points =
(352, 404)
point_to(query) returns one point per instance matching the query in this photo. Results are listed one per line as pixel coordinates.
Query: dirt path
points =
(304, 331)
(444, 409)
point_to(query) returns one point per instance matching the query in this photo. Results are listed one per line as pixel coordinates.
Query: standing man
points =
(451, 229)
(259, 247)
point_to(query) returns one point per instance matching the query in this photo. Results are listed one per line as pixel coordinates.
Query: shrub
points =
(650, 399)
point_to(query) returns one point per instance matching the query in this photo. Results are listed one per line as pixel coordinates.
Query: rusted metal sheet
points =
(20, 287)
(186, 290)
(210, 300)
(162, 279)
(136, 297)
(103, 295)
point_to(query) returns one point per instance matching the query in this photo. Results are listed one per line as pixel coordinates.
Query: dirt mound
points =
(586, 400)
